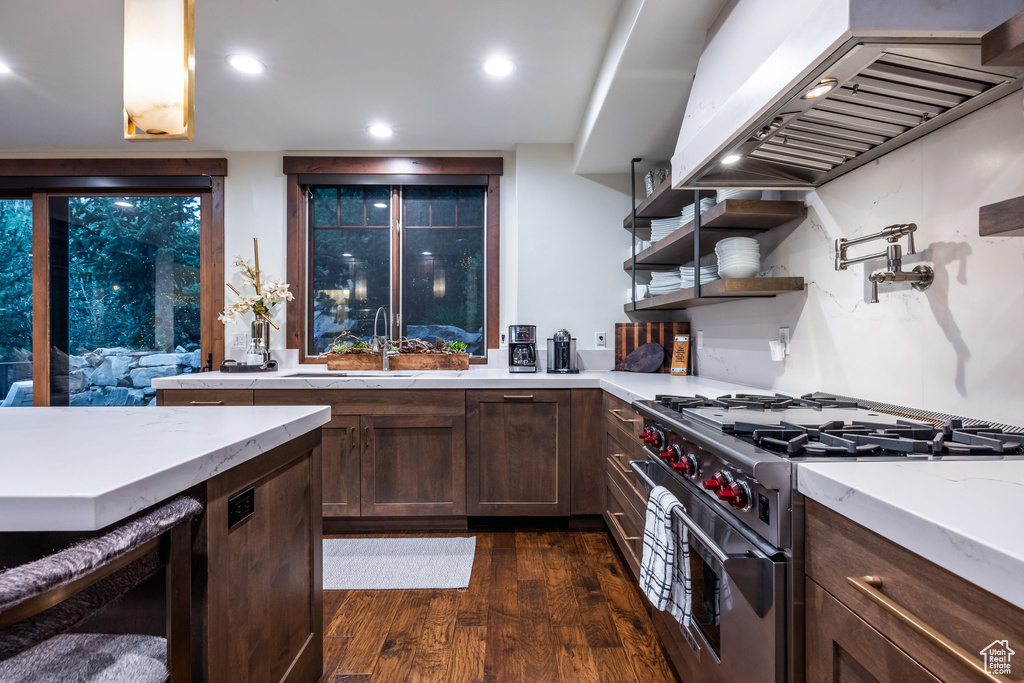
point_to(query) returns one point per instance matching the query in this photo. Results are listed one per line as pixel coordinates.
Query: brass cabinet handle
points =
(871, 588)
(625, 468)
(618, 527)
(616, 412)
(354, 431)
(206, 403)
(527, 397)
(366, 438)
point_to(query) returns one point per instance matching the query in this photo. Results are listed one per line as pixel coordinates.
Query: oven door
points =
(737, 581)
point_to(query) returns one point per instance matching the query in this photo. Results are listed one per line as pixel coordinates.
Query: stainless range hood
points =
(897, 69)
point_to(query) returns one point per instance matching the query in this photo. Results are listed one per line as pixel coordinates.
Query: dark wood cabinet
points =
(517, 452)
(341, 478)
(843, 648)
(204, 397)
(586, 472)
(413, 465)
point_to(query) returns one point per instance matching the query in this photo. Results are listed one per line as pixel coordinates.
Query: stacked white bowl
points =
(738, 257)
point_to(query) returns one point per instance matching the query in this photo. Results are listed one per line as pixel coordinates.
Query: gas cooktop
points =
(818, 426)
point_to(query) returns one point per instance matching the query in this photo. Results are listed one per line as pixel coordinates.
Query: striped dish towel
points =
(665, 567)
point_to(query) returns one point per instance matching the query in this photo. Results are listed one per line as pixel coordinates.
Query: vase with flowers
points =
(268, 294)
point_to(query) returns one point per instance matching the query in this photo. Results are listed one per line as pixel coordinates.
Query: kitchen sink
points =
(330, 373)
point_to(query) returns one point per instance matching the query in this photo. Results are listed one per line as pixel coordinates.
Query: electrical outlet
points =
(503, 343)
(784, 338)
(239, 340)
(700, 339)
(600, 340)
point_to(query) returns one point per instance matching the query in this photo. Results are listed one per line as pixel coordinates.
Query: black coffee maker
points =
(522, 348)
(562, 354)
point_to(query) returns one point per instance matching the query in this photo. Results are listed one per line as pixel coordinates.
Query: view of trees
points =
(16, 280)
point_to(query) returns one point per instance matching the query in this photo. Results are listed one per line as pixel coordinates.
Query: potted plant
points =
(416, 354)
(349, 352)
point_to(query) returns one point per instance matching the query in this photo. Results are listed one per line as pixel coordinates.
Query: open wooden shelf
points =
(735, 288)
(664, 202)
(730, 218)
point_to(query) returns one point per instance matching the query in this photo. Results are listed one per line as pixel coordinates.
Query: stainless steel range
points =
(730, 461)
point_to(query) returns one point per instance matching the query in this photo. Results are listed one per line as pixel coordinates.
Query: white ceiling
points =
(336, 66)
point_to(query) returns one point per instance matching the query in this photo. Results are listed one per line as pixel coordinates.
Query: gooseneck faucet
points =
(920, 278)
(383, 345)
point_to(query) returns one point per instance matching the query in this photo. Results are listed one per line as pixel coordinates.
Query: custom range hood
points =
(794, 99)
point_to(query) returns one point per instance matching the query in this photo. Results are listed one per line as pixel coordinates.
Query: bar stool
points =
(42, 600)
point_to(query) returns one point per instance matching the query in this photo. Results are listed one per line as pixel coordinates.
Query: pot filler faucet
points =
(920, 278)
(383, 345)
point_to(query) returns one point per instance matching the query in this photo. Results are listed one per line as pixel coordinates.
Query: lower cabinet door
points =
(341, 467)
(517, 452)
(843, 648)
(413, 465)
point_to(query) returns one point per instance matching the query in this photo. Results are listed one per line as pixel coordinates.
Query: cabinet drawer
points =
(625, 526)
(622, 420)
(204, 397)
(621, 477)
(838, 549)
(370, 401)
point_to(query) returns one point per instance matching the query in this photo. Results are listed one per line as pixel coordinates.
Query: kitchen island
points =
(84, 470)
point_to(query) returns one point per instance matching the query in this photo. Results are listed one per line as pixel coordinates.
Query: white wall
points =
(566, 241)
(957, 347)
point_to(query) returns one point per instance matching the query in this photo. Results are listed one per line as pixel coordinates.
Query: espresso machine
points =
(522, 348)
(562, 354)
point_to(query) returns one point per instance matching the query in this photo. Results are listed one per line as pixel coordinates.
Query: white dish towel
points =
(665, 567)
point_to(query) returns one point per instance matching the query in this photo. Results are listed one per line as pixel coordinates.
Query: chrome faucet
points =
(920, 278)
(379, 345)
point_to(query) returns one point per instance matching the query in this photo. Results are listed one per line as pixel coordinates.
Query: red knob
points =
(669, 453)
(717, 482)
(644, 434)
(734, 494)
(687, 465)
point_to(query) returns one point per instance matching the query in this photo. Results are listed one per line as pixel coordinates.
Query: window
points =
(127, 287)
(364, 233)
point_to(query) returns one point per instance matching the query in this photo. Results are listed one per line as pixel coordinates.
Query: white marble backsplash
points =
(955, 348)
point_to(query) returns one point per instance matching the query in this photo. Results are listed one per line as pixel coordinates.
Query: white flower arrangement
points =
(268, 293)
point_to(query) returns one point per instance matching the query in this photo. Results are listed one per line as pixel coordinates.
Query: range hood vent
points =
(885, 94)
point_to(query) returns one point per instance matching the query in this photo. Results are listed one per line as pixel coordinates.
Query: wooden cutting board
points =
(628, 336)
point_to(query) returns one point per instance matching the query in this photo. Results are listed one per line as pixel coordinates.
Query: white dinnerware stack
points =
(665, 282)
(641, 293)
(663, 227)
(640, 245)
(707, 274)
(739, 194)
(687, 214)
(738, 257)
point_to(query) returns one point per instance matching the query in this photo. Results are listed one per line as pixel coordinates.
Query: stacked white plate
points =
(687, 214)
(663, 227)
(641, 293)
(707, 274)
(665, 282)
(738, 194)
(738, 257)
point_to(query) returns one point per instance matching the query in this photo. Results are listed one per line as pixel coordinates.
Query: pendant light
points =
(159, 69)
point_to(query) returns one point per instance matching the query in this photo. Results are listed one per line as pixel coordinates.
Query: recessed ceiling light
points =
(380, 205)
(346, 254)
(499, 66)
(731, 159)
(426, 253)
(824, 85)
(246, 64)
(380, 130)
(4, 69)
(124, 203)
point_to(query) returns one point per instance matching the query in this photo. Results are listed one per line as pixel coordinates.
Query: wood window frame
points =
(211, 238)
(298, 225)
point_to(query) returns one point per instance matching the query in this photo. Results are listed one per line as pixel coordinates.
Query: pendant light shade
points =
(159, 69)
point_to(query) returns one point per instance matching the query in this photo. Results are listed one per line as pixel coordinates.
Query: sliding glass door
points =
(124, 296)
(16, 303)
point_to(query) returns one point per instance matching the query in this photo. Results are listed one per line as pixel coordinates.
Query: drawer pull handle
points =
(618, 527)
(355, 433)
(871, 588)
(616, 412)
(625, 468)
(206, 403)
(527, 397)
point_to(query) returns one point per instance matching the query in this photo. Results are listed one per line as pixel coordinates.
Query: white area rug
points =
(397, 563)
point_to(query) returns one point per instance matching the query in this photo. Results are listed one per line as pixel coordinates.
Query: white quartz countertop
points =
(80, 469)
(627, 386)
(964, 516)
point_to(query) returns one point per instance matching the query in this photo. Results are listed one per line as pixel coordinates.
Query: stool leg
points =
(179, 604)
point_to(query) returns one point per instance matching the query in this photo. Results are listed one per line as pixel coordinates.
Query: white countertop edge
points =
(955, 540)
(88, 512)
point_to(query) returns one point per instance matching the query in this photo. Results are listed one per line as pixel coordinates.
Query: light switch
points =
(239, 340)
(700, 339)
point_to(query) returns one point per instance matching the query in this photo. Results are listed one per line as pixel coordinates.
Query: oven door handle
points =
(749, 572)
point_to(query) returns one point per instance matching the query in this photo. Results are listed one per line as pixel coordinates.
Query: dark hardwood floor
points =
(542, 605)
